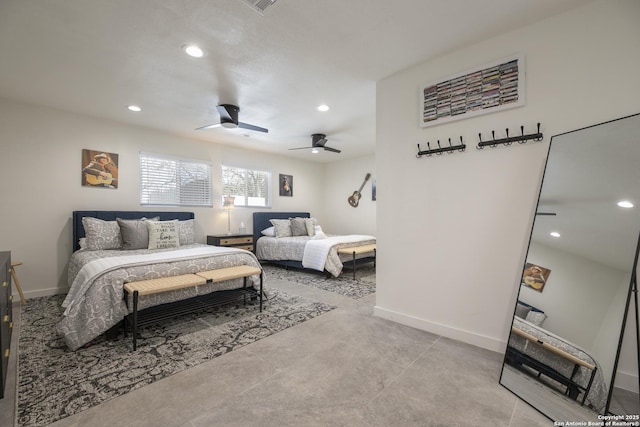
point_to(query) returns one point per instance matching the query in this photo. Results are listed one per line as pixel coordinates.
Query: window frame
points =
(244, 200)
(203, 192)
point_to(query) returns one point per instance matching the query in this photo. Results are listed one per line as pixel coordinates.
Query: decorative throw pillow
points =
(522, 310)
(298, 227)
(163, 234)
(271, 232)
(101, 234)
(282, 227)
(134, 233)
(187, 235)
(318, 233)
(536, 317)
(310, 224)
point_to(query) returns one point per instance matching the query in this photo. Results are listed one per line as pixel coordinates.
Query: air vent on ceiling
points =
(259, 5)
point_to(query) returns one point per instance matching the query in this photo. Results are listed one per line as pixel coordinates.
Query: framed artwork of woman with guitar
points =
(100, 170)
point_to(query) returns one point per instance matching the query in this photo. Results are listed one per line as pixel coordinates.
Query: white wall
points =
(453, 230)
(342, 178)
(41, 160)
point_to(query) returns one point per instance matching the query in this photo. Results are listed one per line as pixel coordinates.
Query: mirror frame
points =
(632, 287)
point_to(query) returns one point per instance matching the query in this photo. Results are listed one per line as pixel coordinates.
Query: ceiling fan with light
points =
(229, 120)
(318, 140)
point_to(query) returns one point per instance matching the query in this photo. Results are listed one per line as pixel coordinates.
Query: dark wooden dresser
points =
(6, 319)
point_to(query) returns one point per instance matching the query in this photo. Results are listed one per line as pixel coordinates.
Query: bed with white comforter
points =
(305, 251)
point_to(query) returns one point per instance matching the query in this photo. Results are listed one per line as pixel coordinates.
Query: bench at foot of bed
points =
(359, 250)
(166, 284)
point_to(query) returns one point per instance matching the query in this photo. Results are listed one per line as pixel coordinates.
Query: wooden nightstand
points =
(240, 241)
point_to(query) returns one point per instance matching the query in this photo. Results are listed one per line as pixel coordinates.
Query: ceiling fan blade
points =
(333, 150)
(300, 148)
(209, 126)
(252, 127)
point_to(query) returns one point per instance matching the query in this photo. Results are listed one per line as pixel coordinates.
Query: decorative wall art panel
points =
(493, 87)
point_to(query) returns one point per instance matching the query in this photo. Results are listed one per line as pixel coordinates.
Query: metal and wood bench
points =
(166, 284)
(359, 250)
(573, 389)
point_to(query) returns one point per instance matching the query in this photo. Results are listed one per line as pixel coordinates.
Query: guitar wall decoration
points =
(354, 199)
(100, 180)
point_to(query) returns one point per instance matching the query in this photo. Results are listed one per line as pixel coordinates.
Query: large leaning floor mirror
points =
(573, 347)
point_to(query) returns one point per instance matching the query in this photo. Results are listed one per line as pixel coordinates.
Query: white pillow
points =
(318, 233)
(163, 234)
(271, 231)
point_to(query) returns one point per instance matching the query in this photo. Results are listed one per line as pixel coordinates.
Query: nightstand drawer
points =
(235, 241)
(245, 247)
(240, 241)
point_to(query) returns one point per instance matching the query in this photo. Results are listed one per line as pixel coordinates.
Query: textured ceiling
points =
(96, 57)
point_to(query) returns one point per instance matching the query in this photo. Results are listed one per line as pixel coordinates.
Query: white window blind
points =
(172, 181)
(249, 187)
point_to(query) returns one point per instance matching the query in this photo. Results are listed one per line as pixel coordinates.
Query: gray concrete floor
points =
(344, 368)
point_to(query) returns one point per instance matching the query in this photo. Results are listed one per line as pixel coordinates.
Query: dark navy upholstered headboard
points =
(78, 228)
(261, 221)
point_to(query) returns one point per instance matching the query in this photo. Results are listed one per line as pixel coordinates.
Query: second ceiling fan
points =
(229, 119)
(318, 140)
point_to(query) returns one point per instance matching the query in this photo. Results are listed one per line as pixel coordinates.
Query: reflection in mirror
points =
(562, 347)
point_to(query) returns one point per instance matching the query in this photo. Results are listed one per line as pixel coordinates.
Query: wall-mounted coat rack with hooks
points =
(449, 150)
(521, 139)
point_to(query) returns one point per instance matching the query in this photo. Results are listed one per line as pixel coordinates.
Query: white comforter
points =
(316, 251)
(293, 249)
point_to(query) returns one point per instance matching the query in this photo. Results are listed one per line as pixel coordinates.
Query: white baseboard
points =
(39, 293)
(443, 330)
(626, 381)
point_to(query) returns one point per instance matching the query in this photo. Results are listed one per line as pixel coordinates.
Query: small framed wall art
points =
(286, 185)
(492, 87)
(535, 276)
(99, 169)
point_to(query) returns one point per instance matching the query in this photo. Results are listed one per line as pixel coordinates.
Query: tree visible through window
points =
(249, 187)
(172, 181)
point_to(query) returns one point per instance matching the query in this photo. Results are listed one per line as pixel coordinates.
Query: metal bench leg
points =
(244, 290)
(135, 320)
(261, 275)
(375, 256)
(354, 265)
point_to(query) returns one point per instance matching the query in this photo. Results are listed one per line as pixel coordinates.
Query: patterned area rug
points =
(55, 382)
(363, 285)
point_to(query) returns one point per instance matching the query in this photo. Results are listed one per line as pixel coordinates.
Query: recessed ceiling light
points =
(193, 50)
(323, 107)
(555, 234)
(134, 108)
(625, 204)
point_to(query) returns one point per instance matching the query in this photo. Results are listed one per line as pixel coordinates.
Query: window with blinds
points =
(172, 181)
(250, 188)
